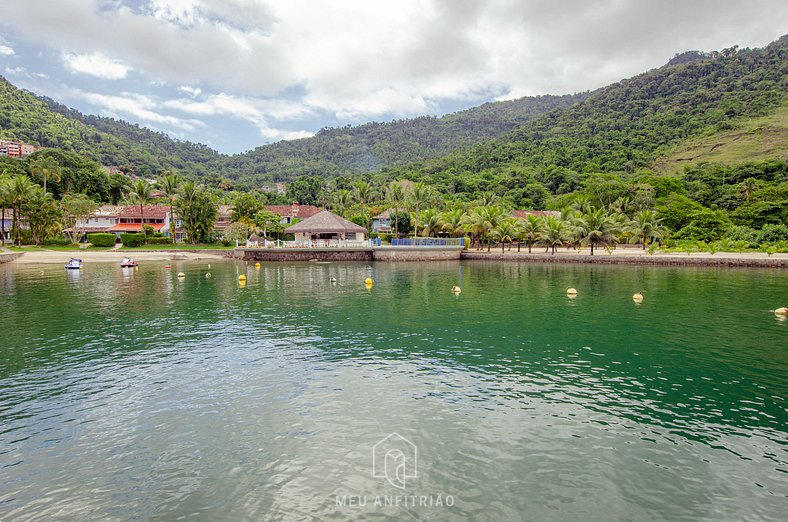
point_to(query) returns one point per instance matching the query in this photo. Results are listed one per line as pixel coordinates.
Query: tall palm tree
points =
(395, 195)
(21, 189)
(597, 228)
(530, 231)
(140, 195)
(646, 225)
(431, 220)
(343, 199)
(5, 201)
(170, 183)
(421, 197)
(554, 233)
(482, 220)
(47, 167)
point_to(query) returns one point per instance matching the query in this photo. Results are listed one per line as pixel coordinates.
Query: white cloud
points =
(6, 50)
(96, 64)
(17, 71)
(136, 105)
(191, 91)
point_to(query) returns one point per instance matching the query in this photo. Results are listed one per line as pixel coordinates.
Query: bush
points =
(744, 234)
(102, 239)
(56, 241)
(773, 233)
(226, 242)
(159, 240)
(132, 240)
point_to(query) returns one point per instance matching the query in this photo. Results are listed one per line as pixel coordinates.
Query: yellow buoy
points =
(781, 311)
(456, 289)
(242, 278)
(638, 297)
(571, 292)
(209, 266)
(181, 274)
(368, 281)
(257, 265)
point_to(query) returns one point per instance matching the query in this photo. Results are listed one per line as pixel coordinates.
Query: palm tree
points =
(140, 195)
(21, 189)
(530, 231)
(5, 201)
(452, 222)
(47, 167)
(421, 197)
(597, 228)
(505, 232)
(432, 222)
(482, 220)
(395, 195)
(646, 225)
(554, 233)
(748, 188)
(170, 183)
(343, 199)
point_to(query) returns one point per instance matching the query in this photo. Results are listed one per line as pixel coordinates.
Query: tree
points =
(452, 222)
(21, 189)
(170, 183)
(554, 233)
(430, 222)
(47, 167)
(530, 231)
(597, 228)
(482, 220)
(238, 231)
(268, 221)
(76, 208)
(505, 232)
(646, 226)
(43, 214)
(245, 205)
(421, 197)
(140, 195)
(5, 202)
(197, 209)
(395, 195)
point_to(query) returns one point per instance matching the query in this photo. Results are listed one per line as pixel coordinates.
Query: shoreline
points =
(617, 257)
(637, 258)
(107, 256)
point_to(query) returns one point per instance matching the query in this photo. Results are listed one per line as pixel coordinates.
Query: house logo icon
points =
(394, 458)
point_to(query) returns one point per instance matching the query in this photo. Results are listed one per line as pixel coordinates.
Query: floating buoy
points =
(167, 266)
(333, 279)
(209, 266)
(456, 289)
(571, 292)
(368, 281)
(242, 278)
(42, 272)
(181, 274)
(208, 275)
(638, 297)
(257, 265)
(781, 311)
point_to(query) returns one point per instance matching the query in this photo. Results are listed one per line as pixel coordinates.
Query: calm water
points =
(130, 395)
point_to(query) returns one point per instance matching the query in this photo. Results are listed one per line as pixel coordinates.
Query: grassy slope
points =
(755, 140)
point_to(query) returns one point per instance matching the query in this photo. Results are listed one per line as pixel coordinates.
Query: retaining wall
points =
(416, 253)
(7, 258)
(719, 260)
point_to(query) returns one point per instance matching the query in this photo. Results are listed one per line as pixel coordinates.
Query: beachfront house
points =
(7, 224)
(325, 228)
(383, 223)
(131, 219)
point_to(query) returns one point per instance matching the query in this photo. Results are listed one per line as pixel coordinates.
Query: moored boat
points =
(128, 262)
(74, 264)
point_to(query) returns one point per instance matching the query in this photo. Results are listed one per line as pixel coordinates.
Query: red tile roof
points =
(303, 212)
(150, 211)
(134, 227)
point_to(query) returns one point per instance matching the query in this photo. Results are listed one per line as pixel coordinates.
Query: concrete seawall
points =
(381, 254)
(7, 258)
(718, 260)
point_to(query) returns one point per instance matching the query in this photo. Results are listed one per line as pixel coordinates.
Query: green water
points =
(131, 395)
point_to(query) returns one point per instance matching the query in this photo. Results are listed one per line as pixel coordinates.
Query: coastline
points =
(638, 257)
(107, 256)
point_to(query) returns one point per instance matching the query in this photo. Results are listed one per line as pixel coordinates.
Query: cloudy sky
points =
(235, 74)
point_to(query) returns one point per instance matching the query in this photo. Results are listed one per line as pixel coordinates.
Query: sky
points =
(236, 74)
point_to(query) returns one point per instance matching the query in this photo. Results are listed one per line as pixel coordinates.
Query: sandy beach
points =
(87, 256)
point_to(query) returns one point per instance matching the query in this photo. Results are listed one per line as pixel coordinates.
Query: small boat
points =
(128, 262)
(74, 264)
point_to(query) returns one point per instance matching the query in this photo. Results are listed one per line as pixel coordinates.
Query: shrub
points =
(773, 233)
(56, 241)
(158, 240)
(102, 239)
(226, 242)
(132, 240)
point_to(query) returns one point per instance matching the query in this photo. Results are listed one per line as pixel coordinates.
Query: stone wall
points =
(416, 253)
(7, 258)
(718, 260)
(304, 254)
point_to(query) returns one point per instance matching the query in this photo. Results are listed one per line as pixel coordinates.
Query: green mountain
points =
(629, 125)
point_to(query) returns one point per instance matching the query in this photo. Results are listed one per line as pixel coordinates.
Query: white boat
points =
(128, 262)
(74, 264)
